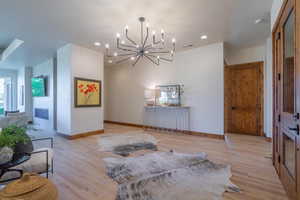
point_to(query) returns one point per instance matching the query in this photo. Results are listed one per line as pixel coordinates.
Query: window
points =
(2, 97)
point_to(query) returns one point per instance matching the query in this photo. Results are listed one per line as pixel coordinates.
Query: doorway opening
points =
(244, 99)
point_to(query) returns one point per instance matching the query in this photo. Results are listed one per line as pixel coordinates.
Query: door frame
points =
(227, 96)
(286, 7)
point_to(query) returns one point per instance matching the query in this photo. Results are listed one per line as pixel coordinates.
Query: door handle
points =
(233, 108)
(296, 116)
(297, 129)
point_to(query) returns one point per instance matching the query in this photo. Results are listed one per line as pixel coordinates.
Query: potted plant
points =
(13, 140)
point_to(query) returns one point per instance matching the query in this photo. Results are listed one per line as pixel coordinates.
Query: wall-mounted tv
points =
(39, 86)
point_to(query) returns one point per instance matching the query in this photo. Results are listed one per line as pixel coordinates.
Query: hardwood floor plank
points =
(80, 173)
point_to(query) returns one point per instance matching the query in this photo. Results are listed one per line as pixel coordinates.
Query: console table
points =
(175, 118)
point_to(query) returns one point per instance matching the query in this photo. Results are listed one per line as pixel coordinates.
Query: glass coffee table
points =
(7, 167)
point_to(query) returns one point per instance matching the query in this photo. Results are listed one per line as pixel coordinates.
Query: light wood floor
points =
(80, 172)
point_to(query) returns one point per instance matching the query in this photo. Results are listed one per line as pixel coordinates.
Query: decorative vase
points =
(22, 148)
(6, 155)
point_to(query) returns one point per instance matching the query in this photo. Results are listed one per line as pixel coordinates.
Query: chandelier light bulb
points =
(97, 44)
(107, 46)
(110, 61)
(126, 27)
(115, 54)
(147, 25)
(118, 35)
(173, 40)
(146, 52)
(158, 57)
(132, 58)
(122, 42)
(137, 46)
(153, 32)
(162, 31)
(203, 37)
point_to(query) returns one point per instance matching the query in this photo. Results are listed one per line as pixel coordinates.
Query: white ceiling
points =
(45, 25)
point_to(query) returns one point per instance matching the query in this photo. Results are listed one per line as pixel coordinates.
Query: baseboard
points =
(81, 135)
(124, 124)
(208, 135)
(268, 139)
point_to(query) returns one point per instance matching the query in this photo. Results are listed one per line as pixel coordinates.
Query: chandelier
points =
(155, 49)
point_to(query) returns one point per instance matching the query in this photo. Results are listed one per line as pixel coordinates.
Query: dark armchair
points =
(40, 162)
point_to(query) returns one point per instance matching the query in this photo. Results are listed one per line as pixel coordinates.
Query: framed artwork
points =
(87, 92)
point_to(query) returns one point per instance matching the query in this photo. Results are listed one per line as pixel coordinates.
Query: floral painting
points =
(87, 93)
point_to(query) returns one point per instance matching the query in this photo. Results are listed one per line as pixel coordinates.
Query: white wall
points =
(24, 80)
(87, 64)
(268, 128)
(245, 55)
(75, 61)
(64, 84)
(201, 71)
(45, 69)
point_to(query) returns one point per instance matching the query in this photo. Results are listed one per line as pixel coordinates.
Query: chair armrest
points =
(43, 151)
(47, 159)
(45, 139)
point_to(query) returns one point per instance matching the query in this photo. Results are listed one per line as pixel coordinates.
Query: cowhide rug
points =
(125, 143)
(169, 176)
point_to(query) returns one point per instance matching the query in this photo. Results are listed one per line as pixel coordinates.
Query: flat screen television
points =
(38, 86)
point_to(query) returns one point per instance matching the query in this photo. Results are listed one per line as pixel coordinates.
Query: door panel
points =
(286, 95)
(289, 154)
(245, 107)
(289, 126)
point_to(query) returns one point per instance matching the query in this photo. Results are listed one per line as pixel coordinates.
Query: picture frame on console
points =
(87, 92)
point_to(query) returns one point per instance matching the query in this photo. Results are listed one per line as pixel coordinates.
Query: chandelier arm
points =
(149, 47)
(123, 60)
(161, 58)
(127, 37)
(159, 52)
(149, 58)
(119, 46)
(123, 49)
(138, 58)
(166, 59)
(127, 54)
(127, 46)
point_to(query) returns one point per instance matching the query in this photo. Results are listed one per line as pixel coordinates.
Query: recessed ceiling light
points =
(203, 37)
(97, 44)
(258, 21)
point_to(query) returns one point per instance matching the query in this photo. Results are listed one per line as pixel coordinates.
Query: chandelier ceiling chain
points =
(154, 50)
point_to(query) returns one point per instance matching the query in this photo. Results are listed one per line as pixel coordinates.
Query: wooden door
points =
(286, 156)
(244, 96)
